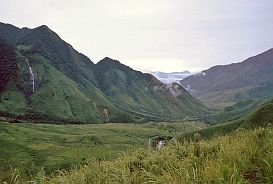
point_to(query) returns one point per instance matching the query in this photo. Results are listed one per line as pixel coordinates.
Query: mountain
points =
(143, 93)
(226, 85)
(171, 77)
(46, 79)
(11, 33)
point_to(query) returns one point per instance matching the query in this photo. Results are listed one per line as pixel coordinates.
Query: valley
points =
(66, 119)
(241, 157)
(86, 148)
(29, 147)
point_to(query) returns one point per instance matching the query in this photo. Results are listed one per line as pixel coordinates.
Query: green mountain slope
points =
(55, 82)
(143, 94)
(9, 67)
(259, 116)
(222, 86)
(11, 33)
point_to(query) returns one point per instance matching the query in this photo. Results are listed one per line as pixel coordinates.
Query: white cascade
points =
(32, 75)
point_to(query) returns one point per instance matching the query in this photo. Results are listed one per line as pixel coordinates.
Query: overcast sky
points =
(157, 35)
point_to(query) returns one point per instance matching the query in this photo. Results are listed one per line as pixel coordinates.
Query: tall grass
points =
(245, 156)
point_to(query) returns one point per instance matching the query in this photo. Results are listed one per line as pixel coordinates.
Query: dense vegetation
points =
(8, 65)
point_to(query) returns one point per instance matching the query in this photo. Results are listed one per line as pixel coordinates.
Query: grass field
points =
(28, 147)
(245, 156)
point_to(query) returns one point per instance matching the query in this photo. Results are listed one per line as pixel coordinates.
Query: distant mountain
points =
(171, 77)
(45, 78)
(222, 86)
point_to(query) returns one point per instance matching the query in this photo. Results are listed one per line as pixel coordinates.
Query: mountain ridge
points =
(70, 86)
(249, 79)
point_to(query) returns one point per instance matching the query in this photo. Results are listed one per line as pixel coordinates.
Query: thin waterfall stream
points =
(32, 75)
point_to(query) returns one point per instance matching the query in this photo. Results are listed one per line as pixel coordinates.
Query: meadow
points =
(244, 156)
(29, 147)
(239, 151)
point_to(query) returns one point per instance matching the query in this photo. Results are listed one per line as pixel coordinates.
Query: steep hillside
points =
(8, 65)
(143, 94)
(60, 54)
(55, 81)
(222, 86)
(63, 78)
(12, 34)
(261, 116)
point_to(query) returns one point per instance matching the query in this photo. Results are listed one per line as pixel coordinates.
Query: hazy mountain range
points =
(43, 77)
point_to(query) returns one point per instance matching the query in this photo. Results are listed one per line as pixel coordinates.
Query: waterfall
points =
(32, 75)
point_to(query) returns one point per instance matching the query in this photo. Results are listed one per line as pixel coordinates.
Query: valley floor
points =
(245, 156)
(29, 147)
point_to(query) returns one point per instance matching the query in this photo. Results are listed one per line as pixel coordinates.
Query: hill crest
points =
(68, 85)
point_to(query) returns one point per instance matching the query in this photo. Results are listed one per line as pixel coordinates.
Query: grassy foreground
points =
(29, 147)
(245, 156)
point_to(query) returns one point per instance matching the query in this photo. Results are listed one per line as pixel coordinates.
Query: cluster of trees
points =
(8, 65)
(37, 118)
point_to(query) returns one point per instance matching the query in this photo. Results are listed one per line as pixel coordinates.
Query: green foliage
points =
(260, 116)
(143, 96)
(225, 85)
(242, 157)
(68, 85)
(8, 65)
(29, 147)
(237, 110)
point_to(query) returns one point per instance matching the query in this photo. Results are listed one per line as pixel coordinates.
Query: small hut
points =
(158, 141)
